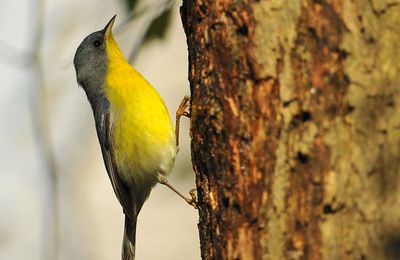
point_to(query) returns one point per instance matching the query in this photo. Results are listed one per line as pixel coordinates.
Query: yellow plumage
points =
(143, 131)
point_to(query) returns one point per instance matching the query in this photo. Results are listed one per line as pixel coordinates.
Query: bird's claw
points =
(193, 201)
(182, 109)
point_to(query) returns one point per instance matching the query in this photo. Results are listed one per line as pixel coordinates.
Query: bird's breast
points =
(142, 132)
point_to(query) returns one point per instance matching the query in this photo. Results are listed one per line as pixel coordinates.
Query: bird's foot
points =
(182, 109)
(192, 201)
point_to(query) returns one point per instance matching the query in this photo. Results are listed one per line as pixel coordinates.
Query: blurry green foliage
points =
(131, 4)
(159, 26)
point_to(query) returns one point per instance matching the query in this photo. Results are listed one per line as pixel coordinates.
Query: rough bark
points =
(295, 127)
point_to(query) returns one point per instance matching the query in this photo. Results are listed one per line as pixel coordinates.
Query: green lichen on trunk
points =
(364, 180)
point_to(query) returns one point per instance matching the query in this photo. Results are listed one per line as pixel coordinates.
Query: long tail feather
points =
(128, 244)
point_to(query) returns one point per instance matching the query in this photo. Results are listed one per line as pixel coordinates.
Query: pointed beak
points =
(108, 29)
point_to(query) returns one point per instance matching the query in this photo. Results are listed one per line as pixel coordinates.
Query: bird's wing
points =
(121, 189)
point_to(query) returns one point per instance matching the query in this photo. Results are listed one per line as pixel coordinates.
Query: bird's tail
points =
(128, 244)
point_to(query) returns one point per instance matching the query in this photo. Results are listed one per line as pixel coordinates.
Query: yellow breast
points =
(143, 135)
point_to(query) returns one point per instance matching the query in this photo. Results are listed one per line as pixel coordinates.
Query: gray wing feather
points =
(121, 189)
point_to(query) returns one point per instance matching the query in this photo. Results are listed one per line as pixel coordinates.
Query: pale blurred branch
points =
(11, 56)
(42, 137)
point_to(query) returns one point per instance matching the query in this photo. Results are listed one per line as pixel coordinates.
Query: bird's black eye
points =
(97, 43)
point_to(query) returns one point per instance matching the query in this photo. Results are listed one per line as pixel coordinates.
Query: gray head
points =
(90, 62)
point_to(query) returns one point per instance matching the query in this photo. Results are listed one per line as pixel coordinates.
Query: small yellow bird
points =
(134, 129)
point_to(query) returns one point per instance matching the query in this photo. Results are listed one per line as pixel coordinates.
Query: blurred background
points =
(56, 201)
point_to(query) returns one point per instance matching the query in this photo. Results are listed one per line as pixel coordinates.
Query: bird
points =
(134, 129)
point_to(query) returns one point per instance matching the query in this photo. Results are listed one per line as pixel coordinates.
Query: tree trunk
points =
(295, 126)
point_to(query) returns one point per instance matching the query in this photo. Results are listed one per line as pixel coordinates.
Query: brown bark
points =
(295, 127)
